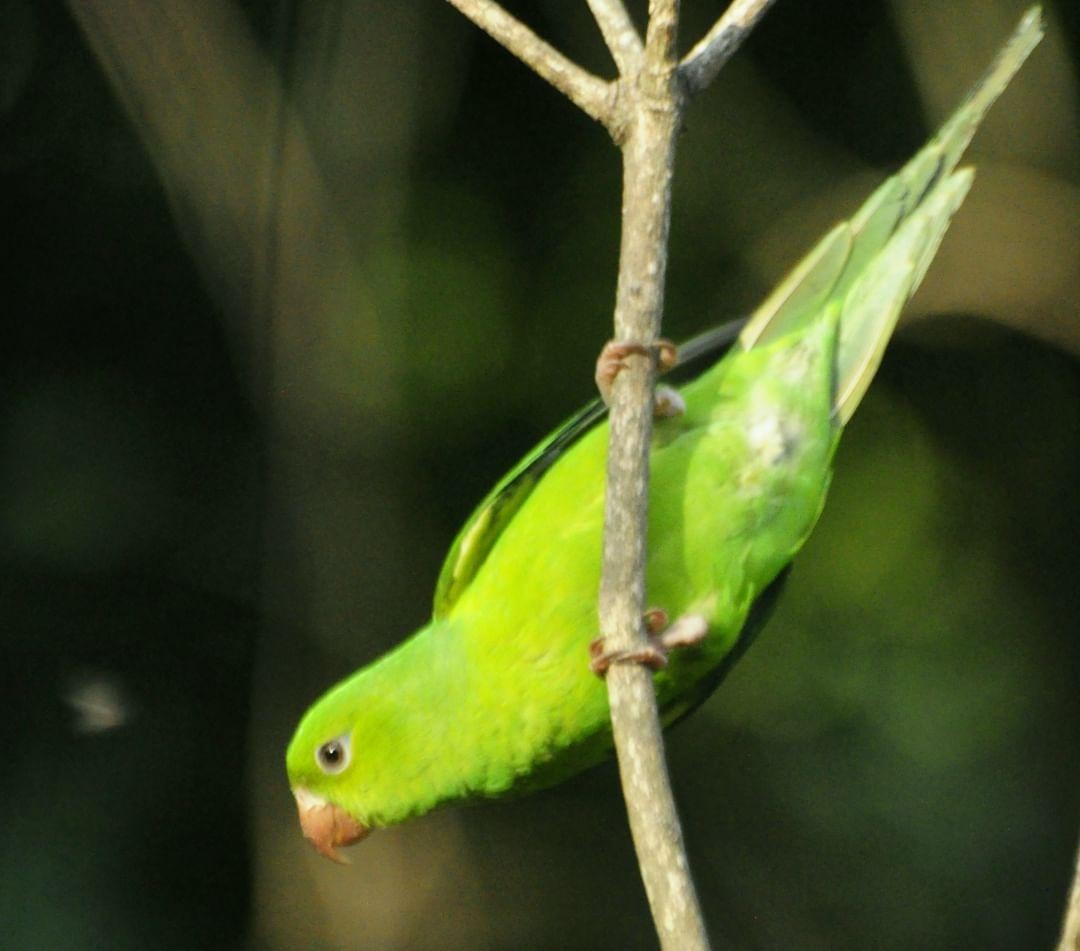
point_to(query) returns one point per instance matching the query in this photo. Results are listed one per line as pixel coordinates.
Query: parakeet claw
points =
(663, 638)
(612, 360)
(656, 620)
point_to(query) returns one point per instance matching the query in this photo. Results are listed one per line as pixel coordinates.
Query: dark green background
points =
(211, 524)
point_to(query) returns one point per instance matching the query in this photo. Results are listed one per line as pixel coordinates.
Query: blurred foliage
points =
(264, 352)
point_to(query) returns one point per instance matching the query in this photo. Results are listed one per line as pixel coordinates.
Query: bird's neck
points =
(417, 725)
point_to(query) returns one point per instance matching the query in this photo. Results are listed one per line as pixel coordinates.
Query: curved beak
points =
(325, 825)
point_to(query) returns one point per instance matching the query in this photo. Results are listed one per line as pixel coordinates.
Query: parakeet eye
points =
(333, 755)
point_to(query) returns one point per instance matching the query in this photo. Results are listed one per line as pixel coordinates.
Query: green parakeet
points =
(495, 694)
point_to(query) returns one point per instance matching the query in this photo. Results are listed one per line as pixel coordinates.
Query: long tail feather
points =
(874, 262)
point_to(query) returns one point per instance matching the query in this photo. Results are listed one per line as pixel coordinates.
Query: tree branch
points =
(661, 37)
(648, 162)
(589, 93)
(700, 66)
(619, 34)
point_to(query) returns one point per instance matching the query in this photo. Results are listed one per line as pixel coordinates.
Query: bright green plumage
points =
(495, 694)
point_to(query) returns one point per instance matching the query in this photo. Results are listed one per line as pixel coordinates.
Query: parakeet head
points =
(320, 763)
(376, 749)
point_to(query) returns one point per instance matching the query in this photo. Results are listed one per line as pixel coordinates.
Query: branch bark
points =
(707, 58)
(619, 34)
(648, 163)
(592, 95)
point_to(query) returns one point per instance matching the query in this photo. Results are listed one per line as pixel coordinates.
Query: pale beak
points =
(325, 825)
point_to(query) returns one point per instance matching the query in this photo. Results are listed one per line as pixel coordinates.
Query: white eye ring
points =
(334, 755)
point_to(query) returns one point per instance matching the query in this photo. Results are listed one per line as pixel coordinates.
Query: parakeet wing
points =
(483, 527)
(480, 532)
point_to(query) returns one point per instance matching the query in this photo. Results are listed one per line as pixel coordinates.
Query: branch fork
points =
(598, 98)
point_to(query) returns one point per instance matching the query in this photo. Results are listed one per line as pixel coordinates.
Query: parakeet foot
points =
(612, 360)
(663, 638)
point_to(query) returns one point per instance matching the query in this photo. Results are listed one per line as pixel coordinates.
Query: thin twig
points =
(661, 50)
(589, 93)
(1070, 929)
(648, 162)
(700, 66)
(620, 34)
